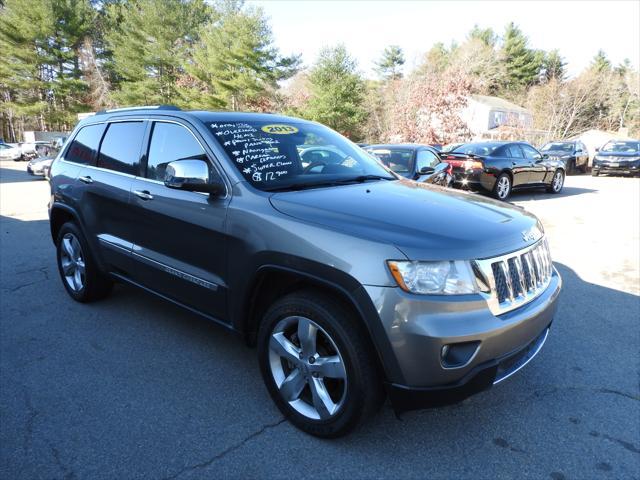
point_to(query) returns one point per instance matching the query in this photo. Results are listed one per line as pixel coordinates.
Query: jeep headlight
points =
(434, 278)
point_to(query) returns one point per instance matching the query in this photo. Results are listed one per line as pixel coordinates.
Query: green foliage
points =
(485, 35)
(390, 63)
(235, 63)
(523, 65)
(337, 92)
(40, 75)
(554, 66)
(149, 41)
(600, 62)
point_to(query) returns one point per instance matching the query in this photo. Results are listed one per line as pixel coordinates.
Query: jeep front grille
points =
(517, 278)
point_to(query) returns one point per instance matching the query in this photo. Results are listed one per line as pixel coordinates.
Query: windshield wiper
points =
(362, 178)
(329, 183)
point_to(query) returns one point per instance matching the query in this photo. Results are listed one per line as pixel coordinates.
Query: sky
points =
(577, 29)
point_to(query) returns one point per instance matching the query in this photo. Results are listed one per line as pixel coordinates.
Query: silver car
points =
(353, 282)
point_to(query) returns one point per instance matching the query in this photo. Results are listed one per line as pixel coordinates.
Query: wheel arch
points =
(58, 216)
(272, 281)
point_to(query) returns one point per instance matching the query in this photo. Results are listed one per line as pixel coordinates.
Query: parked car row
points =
(26, 151)
(498, 168)
(493, 167)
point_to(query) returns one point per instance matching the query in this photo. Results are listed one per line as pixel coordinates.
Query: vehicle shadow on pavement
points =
(10, 175)
(540, 194)
(137, 387)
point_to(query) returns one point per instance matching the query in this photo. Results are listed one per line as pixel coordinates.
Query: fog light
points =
(458, 355)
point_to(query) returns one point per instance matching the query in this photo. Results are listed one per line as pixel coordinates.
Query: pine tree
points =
(600, 62)
(149, 41)
(390, 63)
(485, 35)
(40, 77)
(235, 62)
(337, 92)
(523, 65)
(554, 66)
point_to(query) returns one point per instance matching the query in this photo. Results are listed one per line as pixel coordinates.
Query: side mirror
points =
(426, 170)
(545, 155)
(191, 175)
(597, 149)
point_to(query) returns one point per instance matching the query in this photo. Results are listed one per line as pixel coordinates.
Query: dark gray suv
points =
(354, 283)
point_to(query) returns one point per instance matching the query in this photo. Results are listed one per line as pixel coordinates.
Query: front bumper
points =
(418, 327)
(40, 171)
(619, 167)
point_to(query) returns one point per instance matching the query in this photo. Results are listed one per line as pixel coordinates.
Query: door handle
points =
(143, 194)
(86, 179)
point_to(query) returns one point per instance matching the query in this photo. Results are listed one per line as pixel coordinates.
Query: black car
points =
(416, 162)
(573, 154)
(617, 156)
(500, 167)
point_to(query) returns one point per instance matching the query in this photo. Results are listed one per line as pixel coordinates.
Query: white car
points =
(39, 166)
(10, 152)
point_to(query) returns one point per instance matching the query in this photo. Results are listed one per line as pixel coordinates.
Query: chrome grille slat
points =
(516, 278)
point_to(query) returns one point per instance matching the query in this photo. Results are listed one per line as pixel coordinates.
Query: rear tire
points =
(502, 188)
(325, 403)
(78, 270)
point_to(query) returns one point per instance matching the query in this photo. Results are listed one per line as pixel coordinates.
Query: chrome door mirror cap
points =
(191, 175)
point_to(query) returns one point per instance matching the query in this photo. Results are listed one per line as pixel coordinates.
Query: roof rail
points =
(148, 107)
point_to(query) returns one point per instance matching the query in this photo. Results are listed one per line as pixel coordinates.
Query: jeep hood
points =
(425, 222)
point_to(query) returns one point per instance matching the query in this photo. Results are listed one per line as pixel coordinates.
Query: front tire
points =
(317, 365)
(595, 173)
(78, 270)
(502, 188)
(557, 182)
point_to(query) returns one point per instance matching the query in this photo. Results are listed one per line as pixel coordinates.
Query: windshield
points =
(623, 147)
(558, 146)
(291, 155)
(476, 148)
(398, 160)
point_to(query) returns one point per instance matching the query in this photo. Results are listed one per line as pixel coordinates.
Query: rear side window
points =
(170, 142)
(120, 149)
(514, 151)
(84, 146)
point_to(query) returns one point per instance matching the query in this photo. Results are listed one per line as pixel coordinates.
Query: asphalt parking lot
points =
(133, 387)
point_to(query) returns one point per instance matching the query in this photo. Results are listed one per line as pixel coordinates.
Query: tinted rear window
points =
(120, 149)
(477, 148)
(85, 144)
(398, 160)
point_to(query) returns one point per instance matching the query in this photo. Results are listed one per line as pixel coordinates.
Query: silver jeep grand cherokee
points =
(352, 282)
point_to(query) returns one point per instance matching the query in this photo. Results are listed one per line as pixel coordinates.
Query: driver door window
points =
(538, 169)
(170, 142)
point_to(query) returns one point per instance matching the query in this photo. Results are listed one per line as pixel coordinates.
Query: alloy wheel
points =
(72, 262)
(307, 368)
(558, 180)
(503, 187)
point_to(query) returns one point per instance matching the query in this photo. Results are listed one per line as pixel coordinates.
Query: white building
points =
(483, 114)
